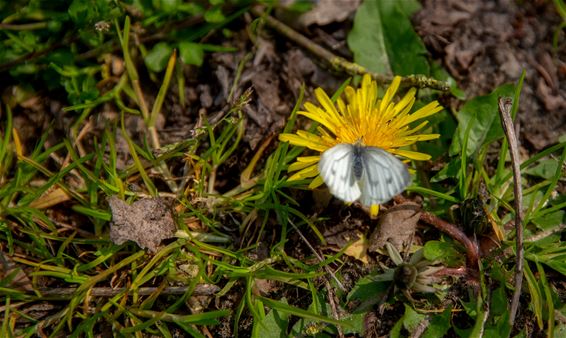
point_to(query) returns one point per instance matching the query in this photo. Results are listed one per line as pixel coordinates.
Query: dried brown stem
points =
(341, 64)
(507, 122)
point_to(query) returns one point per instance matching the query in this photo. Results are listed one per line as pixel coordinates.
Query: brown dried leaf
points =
(358, 250)
(397, 226)
(329, 11)
(146, 222)
(50, 198)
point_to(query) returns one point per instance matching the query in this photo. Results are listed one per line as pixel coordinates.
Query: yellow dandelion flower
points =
(365, 120)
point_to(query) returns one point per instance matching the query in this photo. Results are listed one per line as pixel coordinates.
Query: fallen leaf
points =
(396, 225)
(358, 250)
(146, 222)
(50, 198)
(329, 11)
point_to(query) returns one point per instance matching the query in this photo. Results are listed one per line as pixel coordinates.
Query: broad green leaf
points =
(450, 170)
(551, 220)
(411, 318)
(445, 252)
(367, 292)
(191, 53)
(383, 39)
(499, 301)
(157, 58)
(439, 325)
(481, 115)
(552, 254)
(274, 324)
(544, 169)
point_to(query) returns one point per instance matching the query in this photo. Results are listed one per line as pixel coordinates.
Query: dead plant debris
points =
(147, 222)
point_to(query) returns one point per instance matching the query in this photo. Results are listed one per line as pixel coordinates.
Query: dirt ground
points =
(482, 44)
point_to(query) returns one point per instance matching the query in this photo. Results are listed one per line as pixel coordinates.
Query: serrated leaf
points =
(383, 39)
(481, 115)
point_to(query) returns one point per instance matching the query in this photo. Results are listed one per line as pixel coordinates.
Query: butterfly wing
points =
(336, 169)
(384, 176)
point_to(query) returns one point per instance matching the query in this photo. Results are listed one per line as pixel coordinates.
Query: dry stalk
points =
(507, 122)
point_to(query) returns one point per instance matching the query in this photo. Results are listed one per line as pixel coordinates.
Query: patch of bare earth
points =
(484, 44)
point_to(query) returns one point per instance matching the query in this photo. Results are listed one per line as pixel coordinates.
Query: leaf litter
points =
(147, 222)
(485, 44)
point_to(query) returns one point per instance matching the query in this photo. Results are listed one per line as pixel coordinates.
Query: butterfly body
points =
(369, 174)
(357, 161)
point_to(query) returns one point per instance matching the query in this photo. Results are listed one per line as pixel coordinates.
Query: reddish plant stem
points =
(457, 234)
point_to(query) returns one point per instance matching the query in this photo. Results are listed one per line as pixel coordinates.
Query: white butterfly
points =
(369, 174)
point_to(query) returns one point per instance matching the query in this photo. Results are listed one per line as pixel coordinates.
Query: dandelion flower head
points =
(363, 118)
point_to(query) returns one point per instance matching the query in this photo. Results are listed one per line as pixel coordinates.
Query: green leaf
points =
(86, 12)
(450, 170)
(439, 325)
(191, 53)
(536, 295)
(551, 220)
(79, 11)
(366, 293)
(274, 324)
(157, 58)
(411, 318)
(481, 115)
(168, 6)
(499, 301)
(544, 169)
(214, 15)
(383, 39)
(283, 307)
(445, 252)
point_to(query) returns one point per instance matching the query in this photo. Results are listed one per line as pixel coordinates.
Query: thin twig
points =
(333, 306)
(341, 64)
(507, 122)
(330, 272)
